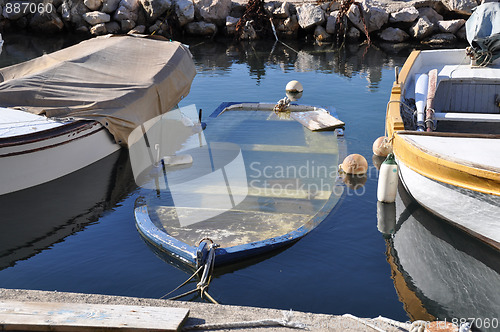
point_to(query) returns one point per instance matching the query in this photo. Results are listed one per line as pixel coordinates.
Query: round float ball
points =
(294, 86)
(355, 164)
(382, 147)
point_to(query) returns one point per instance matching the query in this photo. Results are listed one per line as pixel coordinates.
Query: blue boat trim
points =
(222, 107)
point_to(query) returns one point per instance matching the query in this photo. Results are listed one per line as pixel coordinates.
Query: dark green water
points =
(55, 237)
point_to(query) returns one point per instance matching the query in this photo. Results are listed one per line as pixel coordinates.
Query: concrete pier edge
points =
(205, 313)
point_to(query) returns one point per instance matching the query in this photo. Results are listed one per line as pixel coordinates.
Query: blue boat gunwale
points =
(225, 255)
(188, 253)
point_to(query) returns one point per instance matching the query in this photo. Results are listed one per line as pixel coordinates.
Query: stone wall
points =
(425, 21)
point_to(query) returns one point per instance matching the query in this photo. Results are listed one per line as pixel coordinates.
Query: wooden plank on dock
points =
(317, 120)
(53, 316)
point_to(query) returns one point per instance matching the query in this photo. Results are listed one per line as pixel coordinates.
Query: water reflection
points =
(22, 47)
(439, 271)
(261, 56)
(35, 218)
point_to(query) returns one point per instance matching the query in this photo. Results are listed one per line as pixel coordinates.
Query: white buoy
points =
(294, 86)
(388, 180)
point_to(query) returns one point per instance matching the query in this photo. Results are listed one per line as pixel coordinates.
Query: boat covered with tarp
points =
(253, 181)
(65, 110)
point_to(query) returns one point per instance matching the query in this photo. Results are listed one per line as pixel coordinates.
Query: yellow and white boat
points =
(449, 153)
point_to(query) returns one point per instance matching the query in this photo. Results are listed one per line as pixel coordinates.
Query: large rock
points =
(282, 11)
(321, 35)
(212, 11)
(123, 13)
(440, 39)
(450, 26)
(155, 8)
(158, 28)
(112, 27)
(430, 13)
(127, 25)
(408, 14)
(393, 35)
(46, 22)
(331, 22)
(131, 5)
(109, 6)
(422, 28)
(375, 17)
(201, 28)
(310, 15)
(94, 18)
(237, 9)
(73, 12)
(98, 29)
(289, 27)
(231, 25)
(353, 34)
(138, 29)
(93, 4)
(185, 11)
(460, 6)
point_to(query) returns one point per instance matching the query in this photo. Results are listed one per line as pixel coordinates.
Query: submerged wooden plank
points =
(53, 316)
(317, 120)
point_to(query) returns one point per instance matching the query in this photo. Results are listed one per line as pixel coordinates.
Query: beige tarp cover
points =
(120, 81)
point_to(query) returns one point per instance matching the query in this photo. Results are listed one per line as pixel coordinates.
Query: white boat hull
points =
(450, 275)
(474, 212)
(30, 160)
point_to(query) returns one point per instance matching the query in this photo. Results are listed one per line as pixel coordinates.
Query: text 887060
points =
(18, 7)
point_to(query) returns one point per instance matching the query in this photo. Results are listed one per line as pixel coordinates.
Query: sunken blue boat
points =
(255, 180)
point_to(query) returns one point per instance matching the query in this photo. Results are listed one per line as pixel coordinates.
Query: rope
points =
(282, 105)
(206, 277)
(184, 283)
(285, 322)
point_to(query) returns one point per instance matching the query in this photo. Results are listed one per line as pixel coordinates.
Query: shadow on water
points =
(439, 271)
(36, 218)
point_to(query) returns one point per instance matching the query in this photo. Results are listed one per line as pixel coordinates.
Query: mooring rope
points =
(202, 286)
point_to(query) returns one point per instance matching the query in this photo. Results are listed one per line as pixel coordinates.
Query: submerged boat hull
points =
(256, 182)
